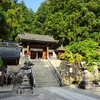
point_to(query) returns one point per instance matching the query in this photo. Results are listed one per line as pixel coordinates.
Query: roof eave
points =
(53, 41)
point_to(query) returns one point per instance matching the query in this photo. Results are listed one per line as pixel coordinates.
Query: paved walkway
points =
(70, 95)
(53, 93)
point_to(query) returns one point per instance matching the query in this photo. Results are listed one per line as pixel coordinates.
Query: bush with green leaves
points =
(1, 62)
(84, 50)
(90, 68)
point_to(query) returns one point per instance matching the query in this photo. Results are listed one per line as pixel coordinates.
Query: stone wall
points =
(77, 74)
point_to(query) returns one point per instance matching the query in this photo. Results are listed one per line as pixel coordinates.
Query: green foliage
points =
(73, 20)
(17, 18)
(67, 20)
(98, 64)
(78, 57)
(1, 62)
(40, 18)
(90, 68)
(68, 56)
(97, 78)
(3, 30)
(83, 50)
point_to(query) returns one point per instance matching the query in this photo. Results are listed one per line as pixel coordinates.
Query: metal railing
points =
(56, 72)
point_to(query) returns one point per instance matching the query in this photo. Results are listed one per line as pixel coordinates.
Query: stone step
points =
(47, 85)
(46, 80)
(51, 83)
(43, 78)
(43, 74)
(47, 76)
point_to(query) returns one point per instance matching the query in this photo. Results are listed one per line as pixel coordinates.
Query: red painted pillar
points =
(47, 50)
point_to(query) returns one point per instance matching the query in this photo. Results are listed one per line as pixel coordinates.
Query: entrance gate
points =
(36, 53)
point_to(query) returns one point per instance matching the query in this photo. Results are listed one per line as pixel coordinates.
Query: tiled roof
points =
(9, 44)
(36, 37)
(61, 48)
(9, 52)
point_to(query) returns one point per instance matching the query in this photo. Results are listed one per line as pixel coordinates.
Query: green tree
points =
(73, 20)
(28, 19)
(5, 5)
(40, 18)
(14, 17)
(3, 26)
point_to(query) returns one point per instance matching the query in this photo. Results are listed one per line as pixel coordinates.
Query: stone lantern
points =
(25, 80)
(25, 85)
(85, 83)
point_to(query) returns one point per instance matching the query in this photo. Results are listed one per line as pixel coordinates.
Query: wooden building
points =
(10, 53)
(37, 46)
(59, 51)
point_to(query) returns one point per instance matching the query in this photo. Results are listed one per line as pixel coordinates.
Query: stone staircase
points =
(44, 76)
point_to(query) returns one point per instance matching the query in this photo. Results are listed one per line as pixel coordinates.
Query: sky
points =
(34, 4)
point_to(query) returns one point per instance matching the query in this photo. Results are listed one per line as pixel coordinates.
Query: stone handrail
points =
(34, 82)
(60, 79)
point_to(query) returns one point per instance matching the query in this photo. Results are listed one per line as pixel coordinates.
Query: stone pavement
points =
(6, 88)
(6, 91)
(93, 88)
(53, 93)
(10, 88)
(70, 95)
